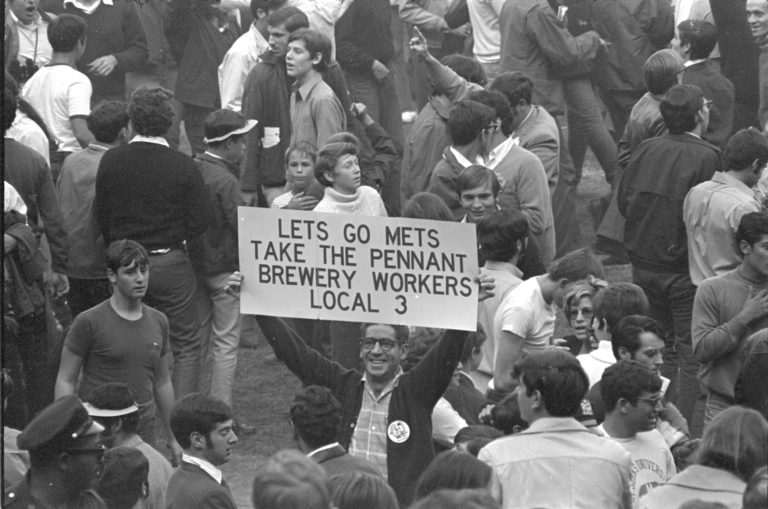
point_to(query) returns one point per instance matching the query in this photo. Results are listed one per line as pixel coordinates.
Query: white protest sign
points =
(359, 269)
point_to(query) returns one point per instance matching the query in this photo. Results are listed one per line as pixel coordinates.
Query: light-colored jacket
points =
(696, 482)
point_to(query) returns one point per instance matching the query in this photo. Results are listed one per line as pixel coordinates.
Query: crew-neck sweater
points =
(151, 194)
(365, 202)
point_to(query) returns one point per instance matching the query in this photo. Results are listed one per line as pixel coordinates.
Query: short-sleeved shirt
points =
(59, 92)
(115, 349)
(652, 461)
(525, 313)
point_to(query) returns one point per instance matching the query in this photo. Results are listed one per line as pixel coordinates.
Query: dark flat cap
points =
(58, 426)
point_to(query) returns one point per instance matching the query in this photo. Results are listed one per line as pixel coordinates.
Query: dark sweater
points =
(190, 487)
(412, 400)
(151, 194)
(363, 35)
(112, 30)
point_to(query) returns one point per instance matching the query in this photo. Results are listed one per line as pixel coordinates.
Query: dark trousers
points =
(86, 293)
(567, 233)
(172, 290)
(194, 125)
(670, 296)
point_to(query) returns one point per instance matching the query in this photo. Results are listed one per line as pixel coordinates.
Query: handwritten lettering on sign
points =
(352, 268)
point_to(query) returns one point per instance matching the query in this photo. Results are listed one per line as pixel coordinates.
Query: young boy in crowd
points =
(632, 396)
(338, 170)
(300, 159)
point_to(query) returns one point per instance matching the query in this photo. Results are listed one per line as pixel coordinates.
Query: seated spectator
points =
(123, 483)
(302, 186)
(551, 386)
(632, 397)
(337, 168)
(315, 417)
(356, 490)
(113, 406)
(609, 305)
(290, 480)
(525, 320)
(733, 448)
(453, 470)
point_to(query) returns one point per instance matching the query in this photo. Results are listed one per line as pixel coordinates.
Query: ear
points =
(403, 351)
(745, 248)
(328, 174)
(623, 406)
(563, 282)
(538, 402)
(624, 353)
(317, 59)
(197, 440)
(112, 276)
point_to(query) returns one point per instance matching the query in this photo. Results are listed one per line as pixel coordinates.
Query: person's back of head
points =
(289, 17)
(617, 300)
(576, 265)
(65, 31)
(123, 482)
(360, 490)
(746, 149)
(151, 111)
(107, 120)
(467, 120)
(626, 380)
(559, 379)
(453, 470)
(502, 234)
(626, 336)
(700, 34)
(756, 493)
(316, 414)
(516, 87)
(426, 205)
(500, 105)
(457, 499)
(466, 67)
(469, 436)
(736, 440)
(661, 71)
(506, 415)
(290, 480)
(473, 346)
(680, 108)
(113, 403)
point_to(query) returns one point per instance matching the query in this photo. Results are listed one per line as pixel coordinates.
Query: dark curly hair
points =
(316, 415)
(151, 111)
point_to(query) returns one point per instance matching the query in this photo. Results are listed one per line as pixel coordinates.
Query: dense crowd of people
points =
(135, 130)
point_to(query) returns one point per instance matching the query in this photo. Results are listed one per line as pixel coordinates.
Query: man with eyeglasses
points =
(632, 396)
(65, 453)
(385, 413)
(659, 175)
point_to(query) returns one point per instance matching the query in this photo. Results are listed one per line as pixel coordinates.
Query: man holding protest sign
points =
(382, 397)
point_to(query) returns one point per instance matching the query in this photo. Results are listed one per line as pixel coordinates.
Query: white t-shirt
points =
(525, 313)
(59, 92)
(652, 461)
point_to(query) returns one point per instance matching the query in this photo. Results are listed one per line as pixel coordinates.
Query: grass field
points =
(264, 389)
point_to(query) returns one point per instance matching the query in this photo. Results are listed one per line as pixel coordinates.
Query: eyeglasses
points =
(386, 345)
(652, 401)
(98, 450)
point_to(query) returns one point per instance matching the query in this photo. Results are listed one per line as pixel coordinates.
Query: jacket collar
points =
(703, 478)
(554, 425)
(327, 452)
(232, 168)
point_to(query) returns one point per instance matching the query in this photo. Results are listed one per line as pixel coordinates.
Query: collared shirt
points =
(500, 152)
(316, 112)
(88, 9)
(207, 467)
(33, 40)
(369, 440)
(158, 140)
(690, 63)
(323, 448)
(460, 158)
(241, 58)
(712, 212)
(589, 471)
(595, 362)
